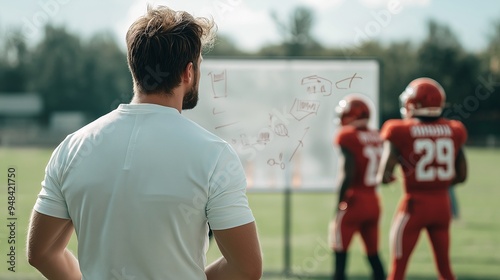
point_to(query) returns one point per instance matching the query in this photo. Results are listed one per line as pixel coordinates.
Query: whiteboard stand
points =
(287, 224)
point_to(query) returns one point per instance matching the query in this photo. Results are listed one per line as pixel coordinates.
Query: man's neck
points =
(163, 99)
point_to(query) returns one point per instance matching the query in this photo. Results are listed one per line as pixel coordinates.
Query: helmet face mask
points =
(353, 110)
(423, 97)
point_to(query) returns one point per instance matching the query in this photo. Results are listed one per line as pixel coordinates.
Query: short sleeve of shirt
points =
(460, 131)
(387, 131)
(392, 131)
(50, 200)
(227, 205)
(346, 138)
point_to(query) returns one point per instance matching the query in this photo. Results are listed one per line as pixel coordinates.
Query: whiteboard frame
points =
(210, 61)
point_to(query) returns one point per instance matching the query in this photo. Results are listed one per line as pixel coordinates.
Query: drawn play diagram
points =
(303, 108)
(347, 82)
(226, 125)
(279, 162)
(281, 130)
(301, 143)
(219, 83)
(263, 138)
(316, 84)
(216, 112)
(277, 115)
(278, 126)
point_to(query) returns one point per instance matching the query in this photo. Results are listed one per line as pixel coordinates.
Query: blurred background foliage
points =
(91, 76)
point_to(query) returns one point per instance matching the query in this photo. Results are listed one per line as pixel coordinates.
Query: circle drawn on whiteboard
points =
(273, 162)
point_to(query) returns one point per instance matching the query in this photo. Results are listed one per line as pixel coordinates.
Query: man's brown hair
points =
(162, 43)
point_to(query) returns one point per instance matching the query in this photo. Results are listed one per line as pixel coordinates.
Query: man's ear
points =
(188, 73)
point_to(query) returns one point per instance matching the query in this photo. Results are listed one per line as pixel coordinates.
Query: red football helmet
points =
(353, 110)
(423, 97)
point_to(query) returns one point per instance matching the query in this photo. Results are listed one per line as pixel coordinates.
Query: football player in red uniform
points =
(429, 149)
(358, 208)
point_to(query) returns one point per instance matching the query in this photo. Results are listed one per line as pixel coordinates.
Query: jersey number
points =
(442, 151)
(373, 154)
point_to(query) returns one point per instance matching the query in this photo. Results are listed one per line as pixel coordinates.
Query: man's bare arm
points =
(242, 256)
(46, 249)
(349, 170)
(388, 161)
(460, 168)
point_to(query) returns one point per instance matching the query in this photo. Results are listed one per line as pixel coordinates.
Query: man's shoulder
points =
(204, 134)
(395, 127)
(101, 124)
(458, 129)
(454, 124)
(345, 131)
(345, 134)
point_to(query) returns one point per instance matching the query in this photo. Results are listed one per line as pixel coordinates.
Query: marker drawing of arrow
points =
(301, 144)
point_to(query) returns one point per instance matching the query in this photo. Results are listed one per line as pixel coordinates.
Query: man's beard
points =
(190, 98)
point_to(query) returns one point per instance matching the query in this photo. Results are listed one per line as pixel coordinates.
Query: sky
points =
(337, 23)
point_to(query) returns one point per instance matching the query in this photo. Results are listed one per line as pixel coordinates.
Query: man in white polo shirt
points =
(140, 184)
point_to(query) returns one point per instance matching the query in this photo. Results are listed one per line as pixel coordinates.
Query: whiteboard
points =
(279, 115)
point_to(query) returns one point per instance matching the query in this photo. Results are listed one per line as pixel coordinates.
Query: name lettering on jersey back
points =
(368, 137)
(436, 130)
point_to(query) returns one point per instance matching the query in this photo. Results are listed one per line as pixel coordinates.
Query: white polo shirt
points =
(140, 185)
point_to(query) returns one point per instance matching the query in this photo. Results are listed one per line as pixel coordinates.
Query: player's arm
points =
(388, 161)
(348, 173)
(46, 249)
(460, 168)
(242, 257)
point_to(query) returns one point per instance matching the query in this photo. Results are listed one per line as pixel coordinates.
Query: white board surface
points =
(279, 115)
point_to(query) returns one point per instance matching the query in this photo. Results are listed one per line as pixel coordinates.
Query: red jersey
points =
(427, 151)
(366, 147)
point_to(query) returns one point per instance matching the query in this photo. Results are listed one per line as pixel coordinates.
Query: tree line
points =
(73, 74)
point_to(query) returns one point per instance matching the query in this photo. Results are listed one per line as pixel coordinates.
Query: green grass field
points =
(475, 249)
